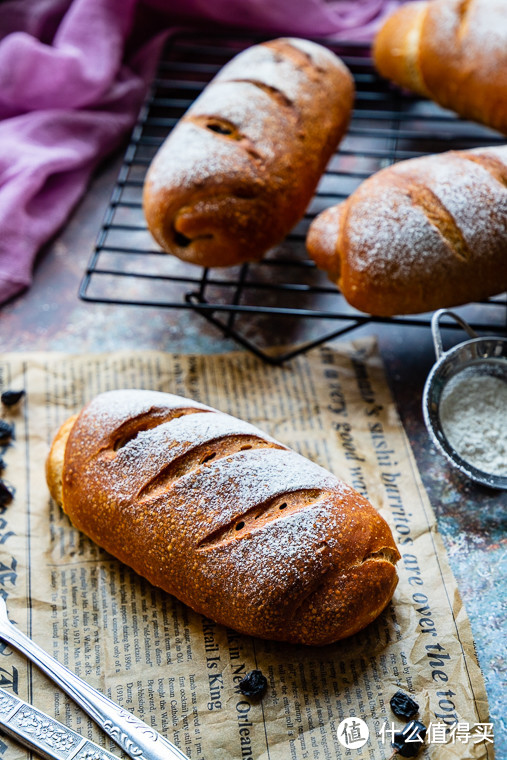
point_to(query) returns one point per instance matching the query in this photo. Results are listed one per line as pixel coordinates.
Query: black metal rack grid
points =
(284, 299)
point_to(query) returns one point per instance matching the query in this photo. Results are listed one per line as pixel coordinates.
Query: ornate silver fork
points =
(135, 737)
(45, 735)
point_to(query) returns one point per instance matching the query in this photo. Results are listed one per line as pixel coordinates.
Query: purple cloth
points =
(73, 74)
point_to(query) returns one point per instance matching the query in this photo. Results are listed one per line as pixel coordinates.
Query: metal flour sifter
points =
(475, 363)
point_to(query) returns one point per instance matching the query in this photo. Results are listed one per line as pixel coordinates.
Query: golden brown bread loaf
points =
(452, 51)
(422, 234)
(234, 524)
(241, 166)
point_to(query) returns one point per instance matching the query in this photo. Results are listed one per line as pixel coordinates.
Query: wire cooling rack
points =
(284, 299)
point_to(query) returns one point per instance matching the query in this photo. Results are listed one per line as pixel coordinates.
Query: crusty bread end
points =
(54, 462)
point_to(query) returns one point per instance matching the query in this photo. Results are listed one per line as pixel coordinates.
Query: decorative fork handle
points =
(45, 735)
(135, 737)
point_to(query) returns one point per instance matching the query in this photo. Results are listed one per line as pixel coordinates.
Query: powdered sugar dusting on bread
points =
(151, 450)
(189, 156)
(320, 55)
(497, 151)
(198, 159)
(488, 23)
(463, 58)
(461, 185)
(251, 476)
(249, 109)
(280, 557)
(273, 66)
(387, 236)
(192, 156)
(226, 489)
(390, 234)
(112, 408)
(483, 27)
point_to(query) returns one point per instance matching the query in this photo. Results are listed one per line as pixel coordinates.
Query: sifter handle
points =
(435, 328)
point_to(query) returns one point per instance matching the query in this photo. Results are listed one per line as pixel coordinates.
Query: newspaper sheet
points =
(180, 672)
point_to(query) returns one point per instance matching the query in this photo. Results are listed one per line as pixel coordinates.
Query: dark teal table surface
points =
(471, 519)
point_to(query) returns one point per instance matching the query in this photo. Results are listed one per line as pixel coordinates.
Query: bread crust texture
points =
(241, 166)
(219, 514)
(452, 51)
(423, 234)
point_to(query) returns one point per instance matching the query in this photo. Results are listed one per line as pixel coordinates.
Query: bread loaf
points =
(241, 166)
(452, 51)
(233, 523)
(422, 234)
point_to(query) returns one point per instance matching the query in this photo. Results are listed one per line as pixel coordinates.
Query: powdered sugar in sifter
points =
(465, 404)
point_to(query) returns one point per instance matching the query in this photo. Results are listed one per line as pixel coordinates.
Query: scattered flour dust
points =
(473, 415)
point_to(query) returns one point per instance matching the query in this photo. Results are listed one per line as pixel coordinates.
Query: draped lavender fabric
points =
(73, 74)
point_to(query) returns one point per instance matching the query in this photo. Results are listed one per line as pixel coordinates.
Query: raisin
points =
(409, 741)
(182, 240)
(254, 684)
(403, 706)
(5, 431)
(6, 495)
(9, 398)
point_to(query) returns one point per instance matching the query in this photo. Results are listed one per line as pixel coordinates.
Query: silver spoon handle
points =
(135, 737)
